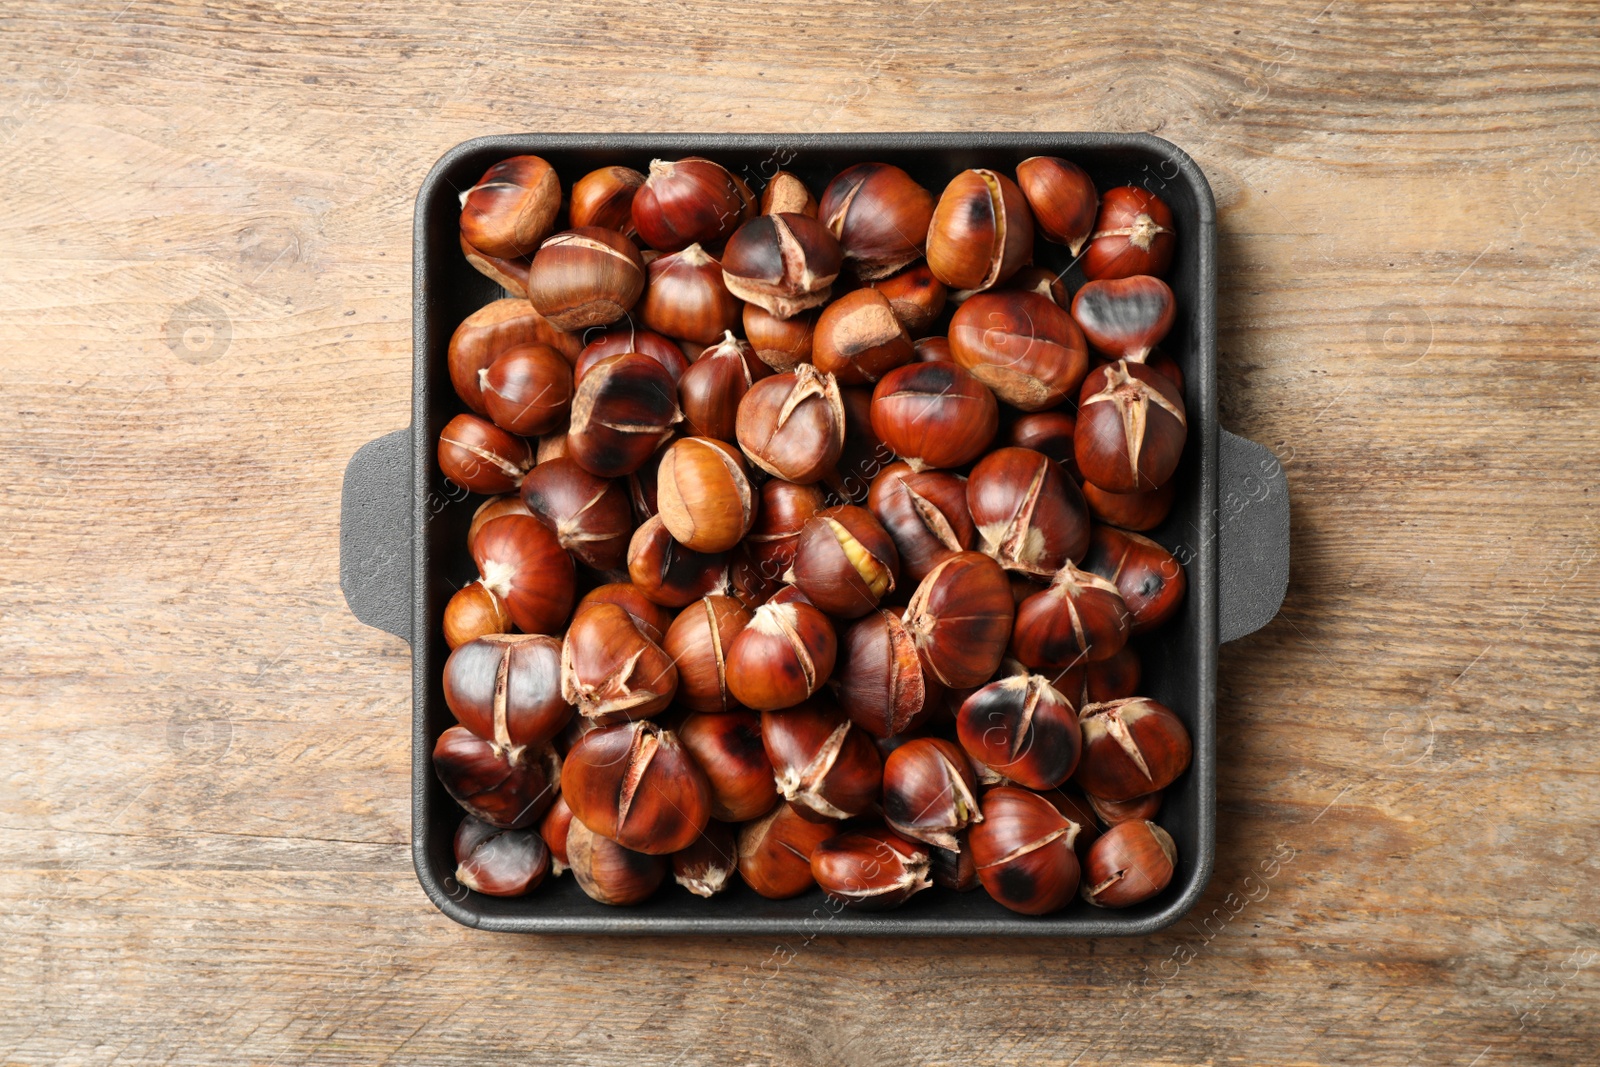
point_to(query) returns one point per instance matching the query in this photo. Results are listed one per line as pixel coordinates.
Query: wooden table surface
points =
(204, 304)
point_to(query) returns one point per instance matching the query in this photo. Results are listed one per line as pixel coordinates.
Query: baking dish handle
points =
(374, 533)
(1252, 534)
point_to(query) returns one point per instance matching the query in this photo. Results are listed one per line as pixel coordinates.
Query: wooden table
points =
(204, 277)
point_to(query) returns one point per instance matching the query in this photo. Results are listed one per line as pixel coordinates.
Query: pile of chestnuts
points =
(813, 542)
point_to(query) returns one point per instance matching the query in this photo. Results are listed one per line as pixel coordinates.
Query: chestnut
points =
(1022, 729)
(781, 657)
(1132, 862)
(690, 201)
(780, 343)
(960, 617)
(1080, 618)
(1125, 317)
(775, 536)
(783, 263)
(491, 330)
(512, 208)
(710, 390)
(609, 873)
(925, 513)
(499, 863)
(493, 508)
(670, 574)
(1030, 516)
(1131, 428)
(698, 642)
(863, 455)
(480, 456)
(1096, 683)
(705, 867)
(792, 425)
(705, 499)
(474, 611)
(931, 350)
(585, 277)
(652, 619)
(981, 231)
(785, 193)
(1023, 849)
(635, 784)
(881, 683)
(591, 516)
(489, 783)
(1022, 346)
(727, 746)
(1130, 747)
(506, 688)
(1062, 197)
(509, 274)
(687, 299)
(822, 762)
(1131, 511)
(775, 851)
(1112, 812)
(604, 197)
(624, 408)
(1132, 235)
(845, 562)
(915, 296)
(623, 338)
(930, 792)
(954, 868)
(858, 339)
(528, 389)
(1150, 579)
(934, 415)
(553, 829)
(871, 869)
(1049, 432)
(611, 670)
(523, 564)
(880, 216)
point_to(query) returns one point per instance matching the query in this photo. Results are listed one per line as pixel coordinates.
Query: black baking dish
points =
(403, 536)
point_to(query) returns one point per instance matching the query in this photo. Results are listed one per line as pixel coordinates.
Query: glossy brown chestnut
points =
(1022, 729)
(625, 407)
(553, 829)
(822, 763)
(706, 867)
(493, 508)
(981, 231)
(652, 619)
(925, 513)
(858, 339)
(1112, 812)
(775, 536)
(784, 655)
(604, 198)
(636, 785)
(611, 670)
(1132, 862)
(1150, 579)
(780, 343)
(687, 298)
(930, 792)
(1081, 617)
(934, 415)
(1020, 345)
(872, 870)
(880, 680)
(491, 330)
(782, 263)
(1024, 851)
(1131, 428)
(703, 494)
(792, 425)
(506, 688)
(522, 563)
(960, 617)
(1096, 683)
(488, 783)
(480, 456)
(711, 389)
(1130, 748)
(1132, 235)
(510, 274)
(689, 201)
(1062, 197)
(1030, 516)
(698, 641)
(670, 574)
(623, 338)
(610, 873)
(642, 485)
(512, 208)
(473, 612)
(880, 216)
(775, 851)
(591, 516)
(585, 277)
(931, 350)
(785, 193)
(1131, 511)
(915, 296)
(728, 748)
(845, 562)
(499, 863)
(1125, 317)
(528, 390)
(1044, 282)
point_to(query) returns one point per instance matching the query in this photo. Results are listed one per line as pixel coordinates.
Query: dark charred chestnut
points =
(1024, 851)
(1022, 729)
(624, 409)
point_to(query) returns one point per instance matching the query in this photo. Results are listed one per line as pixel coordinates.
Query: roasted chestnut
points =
(636, 785)
(591, 516)
(528, 390)
(792, 425)
(822, 763)
(925, 513)
(698, 642)
(474, 611)
(931, 350)
(585, 277)
(1020, 345)
(553, 828)
(880, 680)
(604, 197)
(1131, 511)
(1150, 579)
(493, 508)
(1030, 516)
(1047, 283)
(785, 193)
(845, 562)
(1062, 197)
(929, 792)
(610, 873)
(960, 617)
(705, 499)
(611, 670)
(775, 851)
(523, 564)
(727, 747)
(499, 863)
(981, 231)
(1131, 747)
(506, 688)
(783, 263)
(1112, 812)
(1125, 317)
(858, 339)
(690, 201)
(510, 274)
(652, 619)
(1071, 802)
(625, 407)
(880, 216)
(1132, 862)
(775, 536)
(1022, 729)
(489, 783)
(916, 297)
(512, 208)
(710, 390)
(480, 456)
(934, 415)
(1132, 235)
(1024, 851)
(623, 338)
(784, 655)
(1131, 428)
(705, 867)
(687, 299)
(1080, 618)
(669, 573)
(871, 869)
(491, 330)
(780, 343)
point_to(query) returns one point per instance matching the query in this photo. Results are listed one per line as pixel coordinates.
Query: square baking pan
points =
(403, 526)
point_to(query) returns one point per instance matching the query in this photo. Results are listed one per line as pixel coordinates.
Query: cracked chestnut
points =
(1130, 863)
(1130, 748)
(792, 425)
(480, 456)
(880, 681)
(858, 339)
(775, 851)
(1132, 235)
(707, 865)
(1020, 345)
(636, 785)
(960, 617)
(1029, 515)
(499, 863)
(845, 562)
(1022, 729)
(651, 618)
(623, 410)
(880, 215)
(783, 263)
(925, 513)
(872, 870)
(508, 788)
(915, 296)
(1024, 851)
(512, 207)
(591, 516)
(610, 670)
(783, 656)
(981, 231)
(785, 193)
(521, 562)
(1131, 428)
(506, 688)
(623, 338)
(930, 792)
(1151, 580)
(1081, 617)
(822, 763)
(698, 641)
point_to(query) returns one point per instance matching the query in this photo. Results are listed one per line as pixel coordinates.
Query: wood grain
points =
(204, 298)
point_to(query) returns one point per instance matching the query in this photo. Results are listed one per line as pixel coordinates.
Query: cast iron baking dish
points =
(403, 536)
